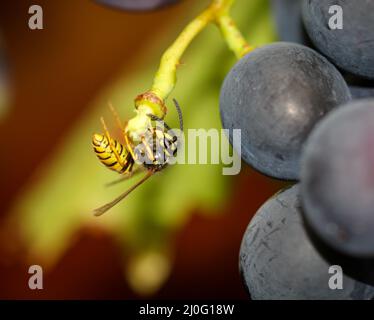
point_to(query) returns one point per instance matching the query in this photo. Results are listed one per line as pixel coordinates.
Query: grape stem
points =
(152, 102)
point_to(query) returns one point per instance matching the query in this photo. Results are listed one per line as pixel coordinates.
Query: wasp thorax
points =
(156, 149)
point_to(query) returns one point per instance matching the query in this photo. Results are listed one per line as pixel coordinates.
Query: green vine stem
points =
(153, 101)
(233, 36)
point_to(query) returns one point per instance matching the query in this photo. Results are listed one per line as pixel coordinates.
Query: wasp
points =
(158, 145)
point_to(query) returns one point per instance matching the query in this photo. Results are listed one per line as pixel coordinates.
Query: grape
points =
(360, 88)
(275, 95)
(359, 92)
(338, 179)
(350, 48)
(291, 28)
(137, 5)
(289, 22)
(279, 261)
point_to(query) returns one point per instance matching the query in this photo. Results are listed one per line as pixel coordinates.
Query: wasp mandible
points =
(158, 145)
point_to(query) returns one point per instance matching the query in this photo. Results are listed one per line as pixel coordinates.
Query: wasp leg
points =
(148, 149)
(159, 120)
(172, 136)
(111, 142)
(125, 177)
(128, 145)
(116, 117)
(123, 130)
(106, 207)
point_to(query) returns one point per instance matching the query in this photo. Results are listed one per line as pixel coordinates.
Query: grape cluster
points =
(306, 111)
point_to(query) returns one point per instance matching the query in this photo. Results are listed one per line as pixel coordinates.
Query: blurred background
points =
(178, 236)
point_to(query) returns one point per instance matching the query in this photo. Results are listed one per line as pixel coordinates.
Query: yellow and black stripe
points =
(103, 149)
(167, 141)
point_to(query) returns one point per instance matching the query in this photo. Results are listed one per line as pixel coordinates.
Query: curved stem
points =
(165, 78)
(218, 12)
(233, 36)
(152, 102)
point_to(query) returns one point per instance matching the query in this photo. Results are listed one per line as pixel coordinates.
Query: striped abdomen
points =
(105, 153)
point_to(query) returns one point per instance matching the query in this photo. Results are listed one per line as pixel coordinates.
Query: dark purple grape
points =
(337, 179)
(279, 261)
(288, 20)
(290, 28)
(360, 88)
(359, 92)
(137, 5)
(350, 48)
(275, 95)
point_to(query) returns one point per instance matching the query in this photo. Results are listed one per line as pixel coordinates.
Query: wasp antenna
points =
(100, 211)
(180, 116)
